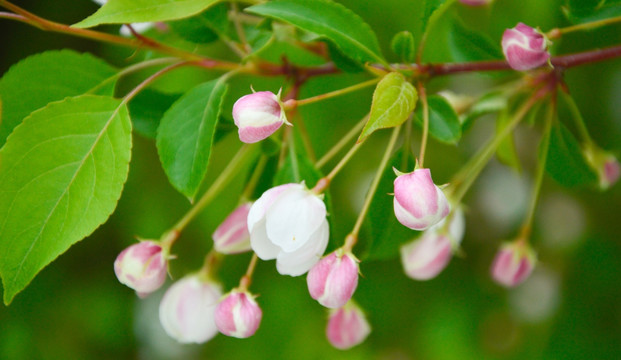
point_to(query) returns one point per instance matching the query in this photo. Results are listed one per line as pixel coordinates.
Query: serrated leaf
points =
(385, 232)
(146, 110)
(402, 45)
(566, 162)
(468, 45)
(444, 123)
(185, 135)
(327, 19)
(61, 173)
(394, 100)
(135, 11)
(50, 76)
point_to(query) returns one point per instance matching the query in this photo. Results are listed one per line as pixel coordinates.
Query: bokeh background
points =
(568, 309)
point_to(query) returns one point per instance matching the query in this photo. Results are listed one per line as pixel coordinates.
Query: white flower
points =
(288, 223)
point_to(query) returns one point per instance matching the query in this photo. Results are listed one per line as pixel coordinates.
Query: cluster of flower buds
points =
(524, 47)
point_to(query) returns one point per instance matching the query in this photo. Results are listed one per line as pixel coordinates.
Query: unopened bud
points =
(238, 314)
(258, 115)
(232, 236)
(525, 48)
(333, 280)
(513, 263)
(142, 267)
(605, 165)
(347, 327)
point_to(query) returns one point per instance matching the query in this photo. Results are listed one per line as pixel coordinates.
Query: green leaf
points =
(491, 102)
(50, 76)
(126, 11)
(146, 110)
(186, 133)
(61, 174)
(402, 45)
(432, 11)
(444, 123)
(579, 12)
(205, 27)
(394, 100)
(329, 20)
(468, 45)
(566, 162)
(385, 233)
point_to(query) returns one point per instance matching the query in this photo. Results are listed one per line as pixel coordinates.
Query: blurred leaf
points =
(432, 11)
(387, 234)
(402, 45)
(146, 110)
(204, 27)
(341, 61)
(468, 45)
(394, 100)
(506, 151)
(330, 20)
(61, 173)
(186, 133)
(579, 12)
(135, 11)
(491, 102)
(565, 162)
(50, 76)
(444, 124)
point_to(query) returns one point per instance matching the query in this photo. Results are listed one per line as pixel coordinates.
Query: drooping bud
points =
(238, 314)
(258, 115)
(142, 267)
(476, 2)
(419, 203)
(288, 223)
(232, 236)
(525, 48)
(605, 165)
(347, 327)
(425, 257)
(187, 309)
(333, 280)
(513, 263)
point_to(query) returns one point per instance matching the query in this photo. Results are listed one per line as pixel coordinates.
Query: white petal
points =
(259, 207)
(300, 261)
(261, 245)
(293, 218)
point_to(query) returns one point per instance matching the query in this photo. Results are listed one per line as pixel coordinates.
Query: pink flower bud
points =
(347, 327)
(513, 263)
(238, 315)
(258, 115)
(232, 236)
(142, 267)
(605, 165)
(333, 280)
(425, 257)
(524, 47)
(187, 310)
(288, 223)
(418, 202)
(475, 2)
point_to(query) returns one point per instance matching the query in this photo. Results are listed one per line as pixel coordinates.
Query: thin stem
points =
(132, 68)
(423, 143)
(373, 188)
(541, 168)
(151, 79)
(578, 119)
(324, 182)
(301, 126)
(254, 179)
(245, 281)
(351, 134)
(239, 29)
(210, 264)
(224, 178)
(558, 32)
(407, 143)
(310, 100)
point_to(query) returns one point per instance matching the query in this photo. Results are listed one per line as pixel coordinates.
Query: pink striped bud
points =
(605, 165)
(347, 327)
(258, 115)
(513, 263)
(333, 280)
(238, 315)
(142, 267)
(425, 257)
(525, 48)
(419, 203)
(232, 236)
(187, 309)
(476, 2)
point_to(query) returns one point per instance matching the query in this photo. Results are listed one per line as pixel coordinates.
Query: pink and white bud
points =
(476, 2)
(333, 280)
(258, 115)
(187, 309)
(232, 236)
(238, 314)
(142, 267)
(525, 48)
(425, 257)
(347, 327)
(419, 203)
(288, 223)
(513, 263)
(605, 165)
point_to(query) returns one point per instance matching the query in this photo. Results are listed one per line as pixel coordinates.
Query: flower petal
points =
(260, 243)
(259, 208)
(300, 261)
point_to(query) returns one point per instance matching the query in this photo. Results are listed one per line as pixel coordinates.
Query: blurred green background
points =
(568, 309)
